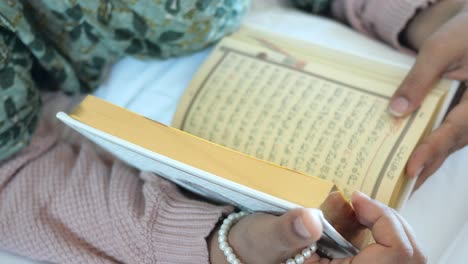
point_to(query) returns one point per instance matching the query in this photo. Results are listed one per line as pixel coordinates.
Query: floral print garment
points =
(66, 44)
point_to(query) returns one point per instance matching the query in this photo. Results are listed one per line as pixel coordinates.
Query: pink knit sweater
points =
(64, 202)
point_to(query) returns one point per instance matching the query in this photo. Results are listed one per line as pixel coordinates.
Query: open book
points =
(270, 124)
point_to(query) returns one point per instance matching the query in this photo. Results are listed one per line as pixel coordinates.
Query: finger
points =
(433, 60)
(446, 139)
(428, 171)
(428, 156)
(460, 72)
(451, 136)
(274, 238)
(375, 215)
(297, 229)
(418, 254)
(419, 81)
(324, 261)
(392, 243)
(315, 260)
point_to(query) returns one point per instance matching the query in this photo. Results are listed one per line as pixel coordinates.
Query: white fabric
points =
(436, 211)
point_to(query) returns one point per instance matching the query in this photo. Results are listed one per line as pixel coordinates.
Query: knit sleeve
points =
(381, 19)
(66, 204)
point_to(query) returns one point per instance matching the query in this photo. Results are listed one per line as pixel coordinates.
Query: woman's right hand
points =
(394, 238)
(440, 36)
(262, 238)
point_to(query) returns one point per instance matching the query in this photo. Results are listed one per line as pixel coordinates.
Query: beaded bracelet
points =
(305, 254)
(232, 219)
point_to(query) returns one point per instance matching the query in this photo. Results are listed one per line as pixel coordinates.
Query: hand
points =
(440, 35)
(394, 239)
(262, 238)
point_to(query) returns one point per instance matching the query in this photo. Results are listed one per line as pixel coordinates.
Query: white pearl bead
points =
(228, 251)
(222, 236)
(222, 232)
(231, 258)
(223, 244)
(299, 259)
(306, 253)
(313, 248)
(222, 239)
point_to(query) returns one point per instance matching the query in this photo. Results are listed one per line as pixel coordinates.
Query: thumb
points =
(392, 242)
(298, 228)
(263, 238)
(430, 65)
(439, 53)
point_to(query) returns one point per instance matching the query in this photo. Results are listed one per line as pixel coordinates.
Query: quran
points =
(270, 124)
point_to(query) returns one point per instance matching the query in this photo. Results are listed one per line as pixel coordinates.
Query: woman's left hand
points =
(440, 35)
(262, 238)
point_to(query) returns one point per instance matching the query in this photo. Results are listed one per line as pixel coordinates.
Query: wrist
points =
(216, 255)
(251, 246)
(221, 251)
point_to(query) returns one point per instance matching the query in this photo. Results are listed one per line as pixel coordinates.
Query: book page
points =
(308, 117)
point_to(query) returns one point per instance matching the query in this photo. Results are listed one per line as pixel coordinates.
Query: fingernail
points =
(398, 106)
(300, 228)
(314, 219)
(364, 197)
(418, 172)
(358, 194)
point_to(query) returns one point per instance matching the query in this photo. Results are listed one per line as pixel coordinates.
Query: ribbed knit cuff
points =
(382, 19)
(181, 227)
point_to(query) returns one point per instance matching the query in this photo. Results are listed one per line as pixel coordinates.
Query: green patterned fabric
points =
(65, 44)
